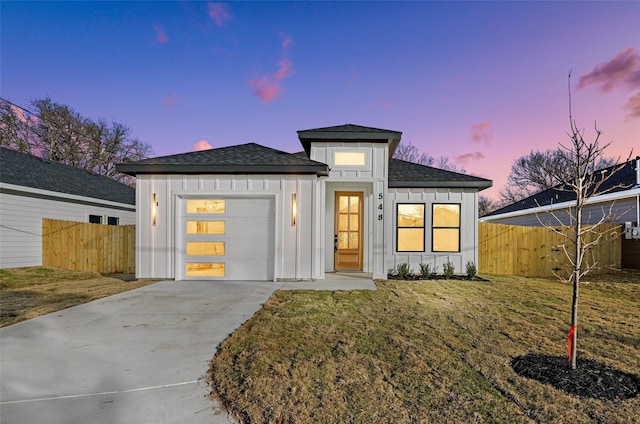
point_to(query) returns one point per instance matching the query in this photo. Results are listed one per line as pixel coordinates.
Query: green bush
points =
(448, 270)
(403, 271)
(425, 270)
(471, 269)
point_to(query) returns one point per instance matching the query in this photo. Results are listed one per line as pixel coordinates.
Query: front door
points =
(348, 231)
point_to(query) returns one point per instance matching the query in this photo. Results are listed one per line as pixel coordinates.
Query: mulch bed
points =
(591, 379)
(417, 277)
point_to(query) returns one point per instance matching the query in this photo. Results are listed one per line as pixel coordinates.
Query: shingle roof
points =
(347, 128)
(409, 174)
(30, 171)
(625, 178)
(349, 133)
(250, 158)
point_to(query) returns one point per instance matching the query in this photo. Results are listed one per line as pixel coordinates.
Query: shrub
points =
(448, 270)
(425, 270)
(471, 269)
(403, 271)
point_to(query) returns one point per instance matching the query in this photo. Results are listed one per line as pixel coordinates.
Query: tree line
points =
(57, 132)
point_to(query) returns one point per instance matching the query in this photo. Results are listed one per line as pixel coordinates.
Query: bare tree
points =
(486, 205)
(539, 171)
(59, 133)
(410, 153)
(16, 128)
(579, 158)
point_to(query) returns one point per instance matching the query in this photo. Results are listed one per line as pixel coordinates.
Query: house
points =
(32, 188)
(250, 212)
(618, 201)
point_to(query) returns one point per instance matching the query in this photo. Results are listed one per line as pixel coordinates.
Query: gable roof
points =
(409, 174)
(624, 179)
(250, 158)
(350, 133)
(30, 171)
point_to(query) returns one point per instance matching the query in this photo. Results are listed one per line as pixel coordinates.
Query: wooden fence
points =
(88, 247)
(535, 252)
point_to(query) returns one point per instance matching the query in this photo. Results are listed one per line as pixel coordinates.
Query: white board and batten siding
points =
(23, 208)
(289, 248)
(466, 198)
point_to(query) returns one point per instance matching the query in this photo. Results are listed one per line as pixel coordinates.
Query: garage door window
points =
(205, 227)
(197, 269)
(205, 206)
(205, 248)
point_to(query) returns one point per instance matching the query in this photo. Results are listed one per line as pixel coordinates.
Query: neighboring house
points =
(619, 202)
(250, 212)
(33, 188)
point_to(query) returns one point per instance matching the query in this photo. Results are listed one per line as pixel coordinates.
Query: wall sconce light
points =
(294, 209)
(154, 209)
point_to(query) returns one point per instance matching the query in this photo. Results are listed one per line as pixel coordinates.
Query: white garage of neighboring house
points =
(250, 212)
(617, 201)
(32, 188)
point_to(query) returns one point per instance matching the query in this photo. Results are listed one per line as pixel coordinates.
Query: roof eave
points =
(480, 185)
(134, 169)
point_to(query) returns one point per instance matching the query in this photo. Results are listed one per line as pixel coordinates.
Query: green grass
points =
(425, 351)
(26, 293)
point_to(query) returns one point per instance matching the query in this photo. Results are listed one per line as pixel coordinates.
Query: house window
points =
(202, 248)
(446, 228)
(205, 206)
(410, 227)
(198, 269)
(112, 220)
(95, 219)
(205, 227)
(348, 158)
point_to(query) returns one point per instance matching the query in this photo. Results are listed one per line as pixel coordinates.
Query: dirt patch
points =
(590, 379)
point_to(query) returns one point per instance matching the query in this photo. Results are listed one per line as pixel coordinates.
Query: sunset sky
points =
(481, 82)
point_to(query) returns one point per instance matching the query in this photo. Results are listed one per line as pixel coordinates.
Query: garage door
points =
(228, 239)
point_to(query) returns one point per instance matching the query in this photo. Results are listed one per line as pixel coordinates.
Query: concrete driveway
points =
(136, 357)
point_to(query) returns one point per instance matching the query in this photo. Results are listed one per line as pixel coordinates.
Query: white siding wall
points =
(21, 224)
(295, 247)
(467, 198)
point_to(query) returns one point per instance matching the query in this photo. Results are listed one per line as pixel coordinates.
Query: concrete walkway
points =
(137, 357)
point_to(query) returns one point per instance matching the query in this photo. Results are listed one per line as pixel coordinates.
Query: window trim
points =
(458, 227)
(424, 228)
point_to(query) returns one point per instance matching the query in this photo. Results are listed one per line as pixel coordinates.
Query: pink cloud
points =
(385, 104)
(268, 87)
(202, 145)
(482, 132)
(622, 70)
(161, 35)
(22, 117)
(219, 13)
(633, 106)
(170, 100)
(464, 159)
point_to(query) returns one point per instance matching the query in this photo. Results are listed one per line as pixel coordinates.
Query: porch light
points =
(154, 209)
(294, 209)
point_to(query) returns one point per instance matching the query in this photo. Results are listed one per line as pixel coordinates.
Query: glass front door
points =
(348, 231)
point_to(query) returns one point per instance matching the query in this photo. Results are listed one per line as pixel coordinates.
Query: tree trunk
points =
(577, 264)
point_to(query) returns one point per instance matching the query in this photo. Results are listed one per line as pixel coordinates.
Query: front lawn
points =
(26, 293)
(426, 351)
